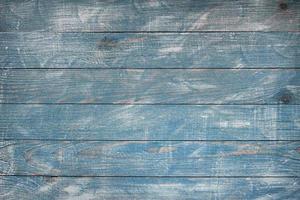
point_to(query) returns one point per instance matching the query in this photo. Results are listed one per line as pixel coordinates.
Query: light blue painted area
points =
(144, 50)
(149, 158)
(150, 122)
(152, 86)
(163, 99)
(142, 15)
(148, 188)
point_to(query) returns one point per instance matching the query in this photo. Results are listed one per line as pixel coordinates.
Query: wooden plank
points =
(31, 188)
(156, 50)
(152, 86)
(142, 15)
(144, 158)
(150, 122)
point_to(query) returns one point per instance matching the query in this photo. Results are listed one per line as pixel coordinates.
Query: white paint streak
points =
(72, 189)
(54, 74)
(87, 13)
(157, 22)
(270, 123)
(83, 196)
(11, 165)
(45, 188)
(297, 123)
(170, 50)
(235, 124)
(200, 22)
(172, 191)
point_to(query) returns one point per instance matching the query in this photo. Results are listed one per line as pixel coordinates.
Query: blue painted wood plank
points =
(36, 188)
(144, 158)
(142, 15)
(152, 86)
(157, 50)
(150, 122)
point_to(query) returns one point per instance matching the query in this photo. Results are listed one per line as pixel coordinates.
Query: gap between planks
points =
(183, 140)
(153, 104)
(117, 176)
(149, 68)
(155, 32)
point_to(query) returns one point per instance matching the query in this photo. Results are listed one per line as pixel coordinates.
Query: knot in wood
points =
(283, 6)
(286, 98)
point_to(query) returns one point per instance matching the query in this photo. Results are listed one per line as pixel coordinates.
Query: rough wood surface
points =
(144, 158)
(142, 15)
(149, 122)
(155, 50)
(152, 86)
(99, 188)
(140, 99)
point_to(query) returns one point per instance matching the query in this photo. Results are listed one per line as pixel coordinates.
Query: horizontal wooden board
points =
(149, 122)
(145, 50)
(144, 158)
(143, 15)
(148, 188)
(152, 86)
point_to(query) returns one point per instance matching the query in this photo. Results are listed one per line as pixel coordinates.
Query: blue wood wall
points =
(149, 99)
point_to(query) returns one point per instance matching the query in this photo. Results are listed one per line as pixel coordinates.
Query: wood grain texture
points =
(145, 50)
(150, 86)
(149, 122)
(142, 15)
(97, 99)
(144, 158)
(97, 188)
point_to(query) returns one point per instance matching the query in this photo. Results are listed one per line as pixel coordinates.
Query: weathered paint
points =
(154, 15)
(150, 122)
(149, 158)
(150, 86)
(156, 50)
(111, 188)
